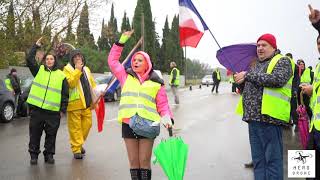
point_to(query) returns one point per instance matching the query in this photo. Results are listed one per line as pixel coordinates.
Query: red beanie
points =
(270, 39)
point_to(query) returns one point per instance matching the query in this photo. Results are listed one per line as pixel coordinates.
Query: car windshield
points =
(103, 79)
(26, 82)
(207, 77)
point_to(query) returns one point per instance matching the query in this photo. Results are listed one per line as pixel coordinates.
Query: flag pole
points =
(214, 38)
(185, 66)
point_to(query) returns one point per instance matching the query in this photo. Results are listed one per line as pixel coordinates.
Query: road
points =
(217, 138)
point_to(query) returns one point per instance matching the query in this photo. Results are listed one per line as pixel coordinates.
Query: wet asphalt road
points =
(218, 144)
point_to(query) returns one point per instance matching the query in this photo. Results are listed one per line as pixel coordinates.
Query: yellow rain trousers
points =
(79, 124)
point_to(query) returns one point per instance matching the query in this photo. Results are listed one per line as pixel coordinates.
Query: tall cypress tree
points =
(177, 51)
(83, 31)
(70, 37)
(112, 30)
(164, 54)
(10, 28)
(47, 36)
(4, 62)
(36, 22)
(19, 36)
(102, 41)
(143, 8)
(28, 33)
(125, 26)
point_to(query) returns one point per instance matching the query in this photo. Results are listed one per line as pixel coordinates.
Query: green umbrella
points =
(172, 156)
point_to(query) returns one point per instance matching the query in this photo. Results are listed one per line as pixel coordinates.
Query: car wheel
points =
(7, 112)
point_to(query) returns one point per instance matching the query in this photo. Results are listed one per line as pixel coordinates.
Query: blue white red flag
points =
(191, 24)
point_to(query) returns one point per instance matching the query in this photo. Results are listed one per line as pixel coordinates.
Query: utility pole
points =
(142, 29)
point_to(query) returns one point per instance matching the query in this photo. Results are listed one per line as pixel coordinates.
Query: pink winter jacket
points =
(118, 70)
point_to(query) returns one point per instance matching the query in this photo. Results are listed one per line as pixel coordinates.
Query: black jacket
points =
(255, 81)
(34, 68)
(15, 83)
(215, 76)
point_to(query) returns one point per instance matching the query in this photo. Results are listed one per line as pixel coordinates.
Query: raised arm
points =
(314, 18)
(31, 61)
(113, 59)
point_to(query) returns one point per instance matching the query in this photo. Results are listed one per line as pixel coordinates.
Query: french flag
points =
(191, 24)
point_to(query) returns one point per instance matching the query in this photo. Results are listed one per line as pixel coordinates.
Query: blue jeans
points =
(266, 150)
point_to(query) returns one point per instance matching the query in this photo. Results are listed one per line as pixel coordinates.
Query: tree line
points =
(22, 22)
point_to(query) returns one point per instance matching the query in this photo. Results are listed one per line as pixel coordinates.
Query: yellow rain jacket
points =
(73, 78)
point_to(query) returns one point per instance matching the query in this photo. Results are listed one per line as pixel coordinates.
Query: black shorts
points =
(127, 132)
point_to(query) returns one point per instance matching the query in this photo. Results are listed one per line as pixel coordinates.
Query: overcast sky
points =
(233, 22)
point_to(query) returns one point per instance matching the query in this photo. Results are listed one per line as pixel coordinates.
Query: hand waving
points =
(314, 15)
(125, 36)
(38, 43)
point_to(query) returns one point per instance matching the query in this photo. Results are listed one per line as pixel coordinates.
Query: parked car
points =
(26, 83)
(7, 103)
(103, 80)
(7, 100)
(207, 80)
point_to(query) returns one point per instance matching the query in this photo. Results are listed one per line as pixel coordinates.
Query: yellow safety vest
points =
(8, 84)
(137, 98)
(46, 89)
(306, 76)
(218, 74)
(177, 80)
(231, 79)
(275, 101)
(315, 100)
(74, 94)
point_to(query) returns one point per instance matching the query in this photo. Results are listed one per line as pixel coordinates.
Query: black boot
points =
(34, 159)
(48, 158)
(145, 174)
(83, 151)
(135, 174)
(248, 165)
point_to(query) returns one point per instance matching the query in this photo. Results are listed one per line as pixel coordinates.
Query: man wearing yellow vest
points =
(13, 84)
(48, 100)
(314, 93)
(265, 105)
(216, 77)
(81, 99)
(174, 81)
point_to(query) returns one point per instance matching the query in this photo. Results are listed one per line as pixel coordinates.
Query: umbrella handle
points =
(301, 98)
(170, 131)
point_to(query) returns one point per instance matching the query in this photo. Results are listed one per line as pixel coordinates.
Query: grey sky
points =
(233, 22)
